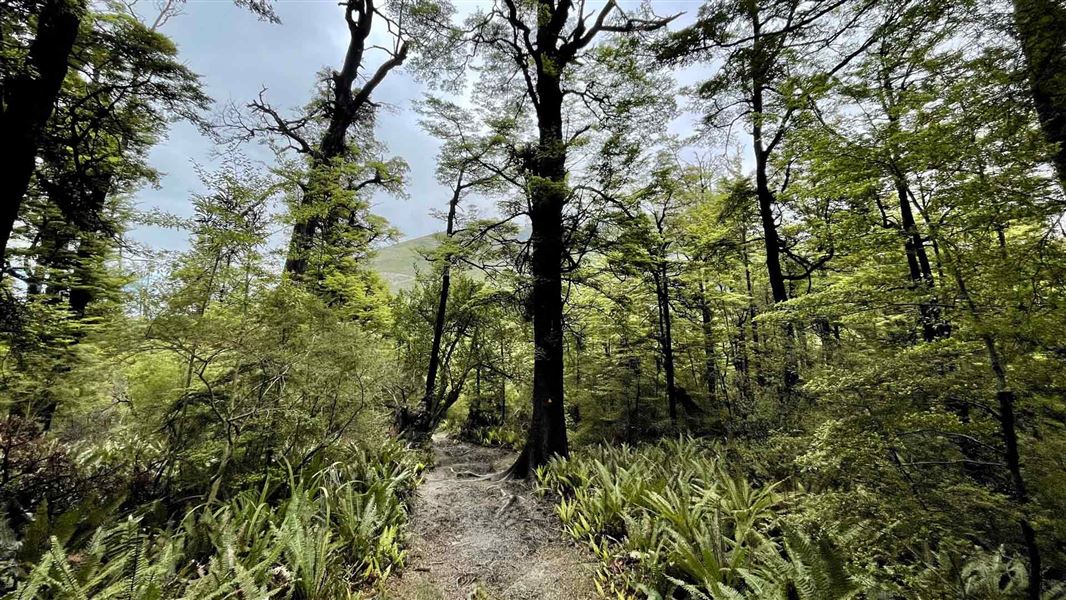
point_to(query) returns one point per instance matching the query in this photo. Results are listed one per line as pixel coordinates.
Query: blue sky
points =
(237, 55)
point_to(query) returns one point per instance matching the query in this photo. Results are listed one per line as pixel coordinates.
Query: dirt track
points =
(474, 538)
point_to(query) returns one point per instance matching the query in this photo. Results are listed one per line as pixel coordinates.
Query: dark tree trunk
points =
(919, 269)
(438, 334)
(1009, 432)
(771, 238)
(503, 382)
(756, 362)
(1008, 429)
(1041, 28)
(347, 105)
(711, 365)
(767, 200)
(428, 409)
(82, 289)
(763, 192)
(666, 341)
(547, 174)
(28, 102)
(918, 266)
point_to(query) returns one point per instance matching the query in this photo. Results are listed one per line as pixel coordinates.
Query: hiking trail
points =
(479, 539)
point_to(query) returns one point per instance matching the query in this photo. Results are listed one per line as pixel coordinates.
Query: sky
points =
(237, 56)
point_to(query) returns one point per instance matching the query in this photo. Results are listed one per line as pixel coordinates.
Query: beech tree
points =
(1041, 29)
(41, 41)
(334, 138)
(539, 44)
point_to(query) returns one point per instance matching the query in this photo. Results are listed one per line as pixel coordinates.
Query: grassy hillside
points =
(399, 263)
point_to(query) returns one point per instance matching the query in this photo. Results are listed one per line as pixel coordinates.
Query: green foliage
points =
(668, 520)
(317, 535)
(666, 517)
(865, 333)
(479, 357)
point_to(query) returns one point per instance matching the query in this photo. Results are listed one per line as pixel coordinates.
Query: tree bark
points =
(771, 239)
(28, 102)
(1009, 432)
(919, 269)
(1041, 29)
(347, 105)
(662, 293)
(711, 365)
(547, 173)
(428, 409)
(503, 382)
(918, 266)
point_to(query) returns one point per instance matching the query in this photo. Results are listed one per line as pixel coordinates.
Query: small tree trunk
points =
(1009, 432)
(711, 366)
(503, 382)
(428, 409)
(756, 362)
(662, 293)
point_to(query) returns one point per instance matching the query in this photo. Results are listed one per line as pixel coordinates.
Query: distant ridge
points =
(399, 263)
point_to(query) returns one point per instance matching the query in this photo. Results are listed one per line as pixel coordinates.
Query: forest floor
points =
(479, 539)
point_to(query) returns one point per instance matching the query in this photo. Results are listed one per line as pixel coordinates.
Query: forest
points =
(727, 299)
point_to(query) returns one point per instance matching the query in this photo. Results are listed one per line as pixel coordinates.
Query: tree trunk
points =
(711, 365)
(710, 372)
(1009, 432)
(503, 381)
(438, 325)
(662, 293)
(547, 174)
(756, 362)
(1041, 28)
(920, 271)
(28, 102)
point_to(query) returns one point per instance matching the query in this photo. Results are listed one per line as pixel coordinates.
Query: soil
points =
(473, 537)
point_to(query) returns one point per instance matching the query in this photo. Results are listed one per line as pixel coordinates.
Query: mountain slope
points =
(399, 263)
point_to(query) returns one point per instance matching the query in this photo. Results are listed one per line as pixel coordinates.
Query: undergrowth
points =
(325, 532)
(670, 520)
